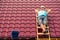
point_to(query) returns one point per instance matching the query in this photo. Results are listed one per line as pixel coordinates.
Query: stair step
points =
(40, 27)
(43, 33)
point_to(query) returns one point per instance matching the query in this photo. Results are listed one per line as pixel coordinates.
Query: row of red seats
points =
(17, 18)
(17, 21)
(14, 8)
(18, 14)
(38, 5)
(18, 29)
(29, 15)
(25, 14)
(28, 0)
(10, 12)
(31, 9)
(39, 1)
(32, 12)
(57, 29)
(18, 25)
(10, 1)
(8, 34)
(53, 34)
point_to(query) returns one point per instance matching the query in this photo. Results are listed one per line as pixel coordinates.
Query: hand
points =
(36, 10)
(49, 10)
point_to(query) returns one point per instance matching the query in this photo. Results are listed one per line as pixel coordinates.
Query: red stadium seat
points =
(33, 29)
(53, 34)
(33, 34)
(4, 34)
(27, 29)
(57, 26)
(0, 30)
(4, 29)
(22, 29)
(0, 34)
(57, 34)
(21, 34)
(17, 29)
(9, 34)
(57, 30)
(22, 25)
(52, 30)
(10, 29)
(5, 25)
(17, 25)
(11, 25)
(27, 34)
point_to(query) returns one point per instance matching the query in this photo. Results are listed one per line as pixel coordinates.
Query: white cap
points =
(42, 6)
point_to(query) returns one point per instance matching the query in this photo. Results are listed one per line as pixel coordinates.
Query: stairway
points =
(41, 33)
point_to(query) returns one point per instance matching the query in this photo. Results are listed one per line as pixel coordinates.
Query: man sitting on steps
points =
(42, 16)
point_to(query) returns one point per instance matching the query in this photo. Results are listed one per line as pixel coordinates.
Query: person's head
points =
(42, 7)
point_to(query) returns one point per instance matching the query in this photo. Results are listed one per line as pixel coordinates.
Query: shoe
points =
(45, 32)
(38, 25)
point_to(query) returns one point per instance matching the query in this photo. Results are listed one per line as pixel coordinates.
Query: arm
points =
(48, 10)
(36, 10)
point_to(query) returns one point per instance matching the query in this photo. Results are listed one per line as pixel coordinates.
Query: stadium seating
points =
(20, 15)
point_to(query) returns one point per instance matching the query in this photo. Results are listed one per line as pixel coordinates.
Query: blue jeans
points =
(42, 20)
